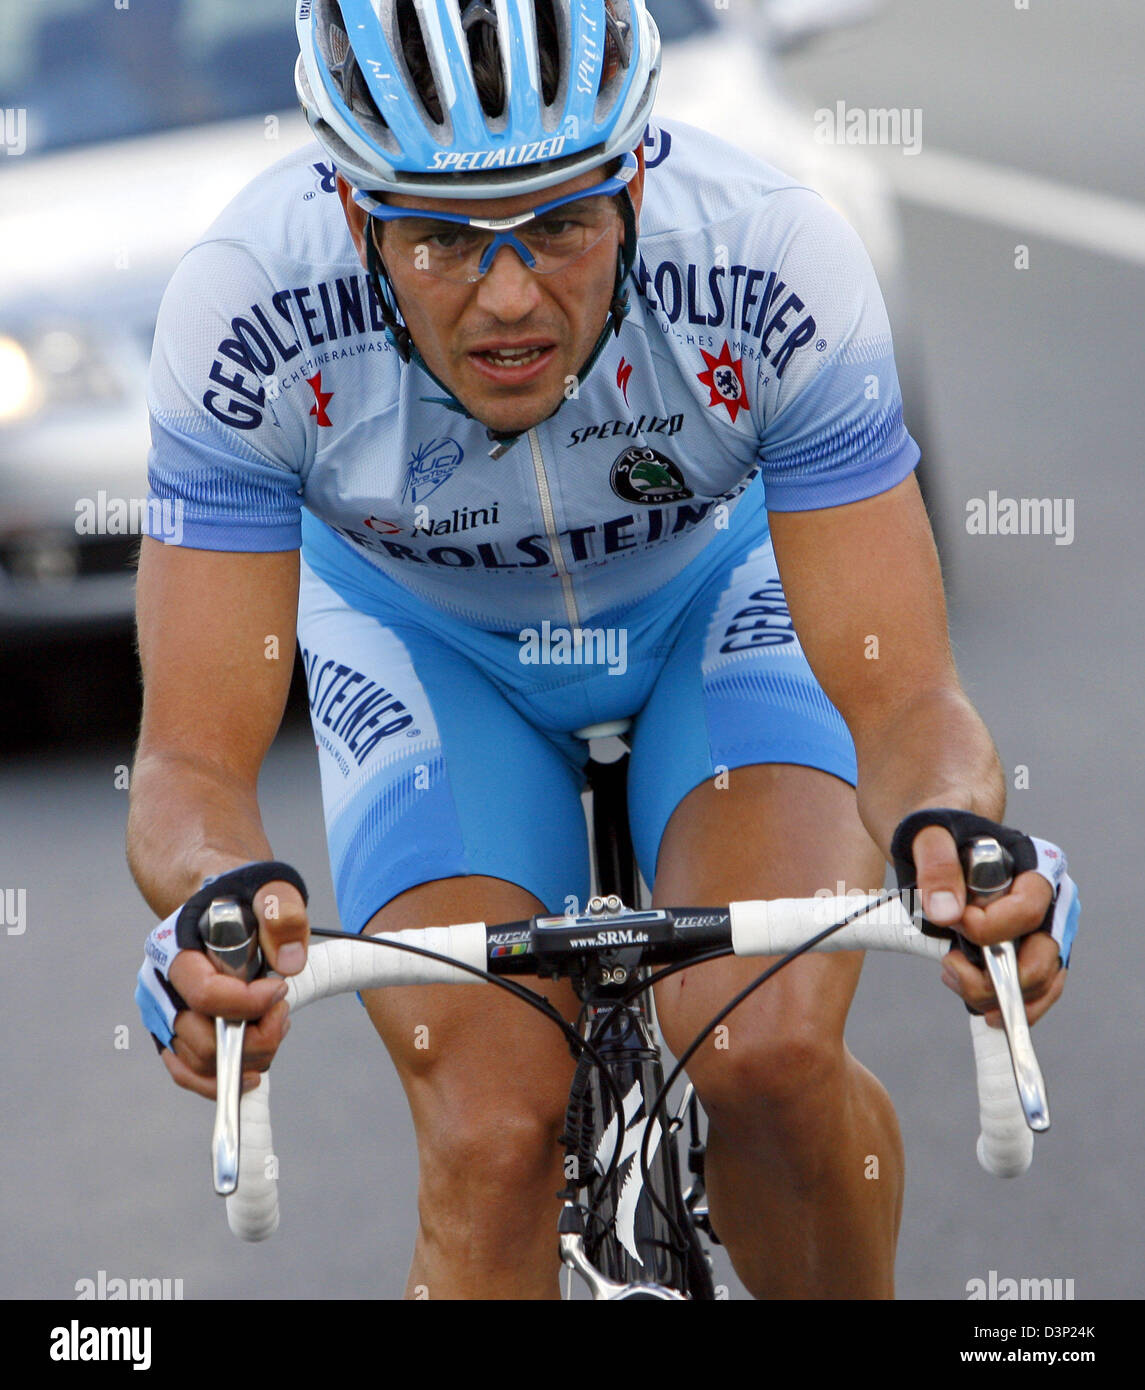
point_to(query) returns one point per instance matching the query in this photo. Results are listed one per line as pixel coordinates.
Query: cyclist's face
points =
(459, 327)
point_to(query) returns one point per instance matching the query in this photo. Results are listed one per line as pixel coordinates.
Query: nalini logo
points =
(724, 378)
(900, 126)
(13, 130)
(579, 646)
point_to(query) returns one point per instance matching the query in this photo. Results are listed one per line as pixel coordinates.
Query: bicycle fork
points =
(626, 1237)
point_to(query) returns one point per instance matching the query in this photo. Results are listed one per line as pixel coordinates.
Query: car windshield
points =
(682, 19)
(85, 70)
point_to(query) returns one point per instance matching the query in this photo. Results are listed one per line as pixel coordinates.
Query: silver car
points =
(124, 132)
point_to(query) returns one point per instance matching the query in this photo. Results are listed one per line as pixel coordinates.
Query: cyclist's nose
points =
(508, 289)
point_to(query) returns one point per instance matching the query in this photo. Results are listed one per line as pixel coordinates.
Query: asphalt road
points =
(1034, 392)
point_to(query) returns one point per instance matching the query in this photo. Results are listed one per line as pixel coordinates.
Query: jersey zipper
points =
(551, 530)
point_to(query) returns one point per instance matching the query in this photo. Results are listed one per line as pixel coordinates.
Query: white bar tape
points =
(252, 1209)
(772, 928)
(1006, 1143)
(337, 967)
(340, 966)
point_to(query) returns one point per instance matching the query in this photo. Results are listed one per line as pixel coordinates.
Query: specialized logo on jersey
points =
(321, 400)
(724, 378)
(623, 373)
(430, 465)
(645, 475)
(631, 429)
(383, 528)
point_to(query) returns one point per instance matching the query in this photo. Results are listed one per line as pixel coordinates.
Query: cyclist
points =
(544, 473)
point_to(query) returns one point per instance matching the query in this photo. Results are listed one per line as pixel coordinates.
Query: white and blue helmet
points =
(388, 87)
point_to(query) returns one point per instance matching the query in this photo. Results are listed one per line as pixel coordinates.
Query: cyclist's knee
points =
(490, 1166)
(789, 1081)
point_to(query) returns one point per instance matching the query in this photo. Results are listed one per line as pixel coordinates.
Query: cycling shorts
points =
(447, 749)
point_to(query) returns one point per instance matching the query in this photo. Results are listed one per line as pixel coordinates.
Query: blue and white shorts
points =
(447, 749)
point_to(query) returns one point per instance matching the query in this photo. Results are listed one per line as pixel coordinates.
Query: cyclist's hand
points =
(1018, 914)
(1040, 908)
(180, 991)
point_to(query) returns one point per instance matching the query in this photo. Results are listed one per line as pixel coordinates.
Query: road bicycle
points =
(628, 1226)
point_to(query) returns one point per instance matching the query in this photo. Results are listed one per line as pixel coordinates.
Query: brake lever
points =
(989, 874)
(229, 931)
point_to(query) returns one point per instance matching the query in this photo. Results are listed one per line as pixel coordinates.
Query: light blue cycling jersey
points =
(755, 366)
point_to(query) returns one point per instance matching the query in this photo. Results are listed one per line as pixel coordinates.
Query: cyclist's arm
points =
(211, 707)
(865, 592)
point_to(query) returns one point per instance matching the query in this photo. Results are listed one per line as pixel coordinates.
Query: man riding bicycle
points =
(514, 367)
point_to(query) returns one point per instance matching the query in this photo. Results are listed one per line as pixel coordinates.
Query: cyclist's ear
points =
(356, 218)
(636, 187)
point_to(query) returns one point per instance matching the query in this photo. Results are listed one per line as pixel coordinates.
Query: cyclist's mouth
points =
(513, 364)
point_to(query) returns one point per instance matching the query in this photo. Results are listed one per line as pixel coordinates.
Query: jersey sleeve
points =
(225, 461)
(833, 428)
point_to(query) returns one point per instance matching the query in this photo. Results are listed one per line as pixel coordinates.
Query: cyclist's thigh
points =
(442, 804)
(427, 771)
(742, 786)
(776, 830)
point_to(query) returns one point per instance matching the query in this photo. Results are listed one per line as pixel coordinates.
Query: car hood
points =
(113, 220)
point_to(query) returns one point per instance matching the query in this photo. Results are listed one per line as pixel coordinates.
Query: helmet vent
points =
(339, 45)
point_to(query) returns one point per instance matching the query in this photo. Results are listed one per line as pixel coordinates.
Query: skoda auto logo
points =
(644, 475)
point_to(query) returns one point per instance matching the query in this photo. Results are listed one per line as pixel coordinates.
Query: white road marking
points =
(1035, 206)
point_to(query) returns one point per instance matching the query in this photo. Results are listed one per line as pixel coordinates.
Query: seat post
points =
(611, 834)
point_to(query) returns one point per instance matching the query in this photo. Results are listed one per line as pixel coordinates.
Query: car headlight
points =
(57, 366)
(18, 394)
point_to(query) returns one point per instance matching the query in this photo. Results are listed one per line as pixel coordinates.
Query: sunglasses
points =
(548, 238)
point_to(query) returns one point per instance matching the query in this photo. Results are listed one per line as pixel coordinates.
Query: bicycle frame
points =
(628, 1235)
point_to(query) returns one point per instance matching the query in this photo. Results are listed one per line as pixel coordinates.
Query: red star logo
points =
(725, 379)
(322, 399)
